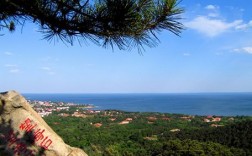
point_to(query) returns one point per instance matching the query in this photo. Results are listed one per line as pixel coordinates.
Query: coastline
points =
(191, 104)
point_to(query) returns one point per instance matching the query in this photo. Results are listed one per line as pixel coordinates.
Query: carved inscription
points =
(19, 146)
(39, 136)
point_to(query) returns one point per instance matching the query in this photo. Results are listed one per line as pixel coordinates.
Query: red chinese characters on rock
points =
(27, 125)
(19, 147)
(39, 136)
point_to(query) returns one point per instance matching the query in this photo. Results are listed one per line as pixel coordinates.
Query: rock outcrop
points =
(24, 133)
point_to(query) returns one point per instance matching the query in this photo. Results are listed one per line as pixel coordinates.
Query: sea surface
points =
(225, 104)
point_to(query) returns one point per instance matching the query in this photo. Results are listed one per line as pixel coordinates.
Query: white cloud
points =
(211, 7)
(10, 65)
(8, 53)
(247, 50)
(14, 70)
(48, 70)
(186, 54)
(213, 11)
(212, 23)
(213, 14)
(244, 26)
(211, 27)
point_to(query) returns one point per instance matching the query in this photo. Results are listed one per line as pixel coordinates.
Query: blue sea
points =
(225, 104)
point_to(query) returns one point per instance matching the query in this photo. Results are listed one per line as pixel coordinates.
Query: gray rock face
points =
(24, 133)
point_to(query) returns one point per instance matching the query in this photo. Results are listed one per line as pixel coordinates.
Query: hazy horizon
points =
(145, 93)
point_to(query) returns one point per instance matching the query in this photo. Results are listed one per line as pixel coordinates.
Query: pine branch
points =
(124, 23)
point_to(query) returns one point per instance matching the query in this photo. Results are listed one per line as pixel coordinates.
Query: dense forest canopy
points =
(124, 23)
(154, 134)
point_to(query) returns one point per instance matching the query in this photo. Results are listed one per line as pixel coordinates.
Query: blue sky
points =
(213, 54)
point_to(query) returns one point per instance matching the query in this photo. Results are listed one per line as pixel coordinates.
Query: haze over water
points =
(226, 104)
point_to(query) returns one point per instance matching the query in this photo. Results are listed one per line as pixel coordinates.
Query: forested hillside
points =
(122, 133)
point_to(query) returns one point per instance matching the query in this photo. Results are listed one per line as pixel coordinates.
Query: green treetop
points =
(124, 23)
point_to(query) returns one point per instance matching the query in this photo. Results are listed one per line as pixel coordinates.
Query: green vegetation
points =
(122, 23)
(154, 134)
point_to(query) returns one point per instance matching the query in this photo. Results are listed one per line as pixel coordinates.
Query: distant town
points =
(63, 109)
(45, 108)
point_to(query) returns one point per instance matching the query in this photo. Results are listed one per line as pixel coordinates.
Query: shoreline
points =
(204, 104)
(49, 107)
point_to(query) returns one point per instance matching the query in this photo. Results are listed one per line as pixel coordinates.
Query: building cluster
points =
(45, 108)
(212, 119)
(79, 113)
